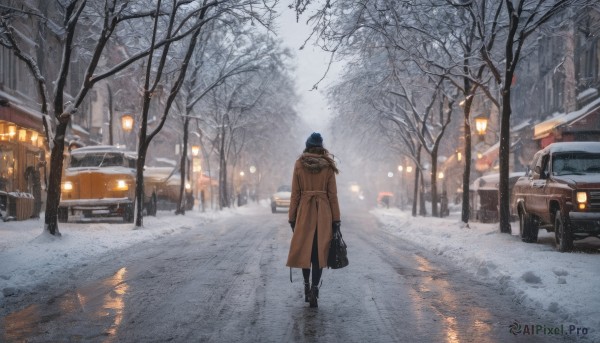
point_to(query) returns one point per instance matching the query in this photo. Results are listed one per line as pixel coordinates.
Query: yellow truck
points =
(99, 181)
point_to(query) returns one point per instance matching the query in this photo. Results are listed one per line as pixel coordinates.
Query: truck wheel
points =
(563, 234)
(527, 228)
(63, 214)
(128, 213)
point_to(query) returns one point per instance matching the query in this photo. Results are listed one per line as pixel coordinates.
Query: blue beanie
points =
(315, 140)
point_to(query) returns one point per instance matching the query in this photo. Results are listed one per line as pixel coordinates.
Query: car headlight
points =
(581, 197)
(581, 200)
(121, 185)
(67, 186)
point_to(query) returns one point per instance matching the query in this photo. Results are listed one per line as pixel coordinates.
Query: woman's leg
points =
(316, 274)
(306, 274)
(314, 260)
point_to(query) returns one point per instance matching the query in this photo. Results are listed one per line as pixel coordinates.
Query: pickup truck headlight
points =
(121, 185)
(581, 200)
(581, 197)
(67, 186)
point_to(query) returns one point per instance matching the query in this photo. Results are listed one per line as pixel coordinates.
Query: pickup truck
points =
(560, 192)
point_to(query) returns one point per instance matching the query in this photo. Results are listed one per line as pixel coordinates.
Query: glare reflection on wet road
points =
(101, 303)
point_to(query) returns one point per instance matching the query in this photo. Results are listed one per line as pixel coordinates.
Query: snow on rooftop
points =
(558, 119)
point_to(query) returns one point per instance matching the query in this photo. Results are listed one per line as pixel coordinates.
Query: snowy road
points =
(227, 282)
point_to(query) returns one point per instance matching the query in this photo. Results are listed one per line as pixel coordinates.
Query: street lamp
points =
(481, 122)
(195, 150)
(254, 194)
(127, 122)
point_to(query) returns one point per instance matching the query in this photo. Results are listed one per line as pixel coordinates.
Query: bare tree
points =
(69, 13)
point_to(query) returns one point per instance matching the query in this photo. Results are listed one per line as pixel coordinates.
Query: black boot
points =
(306, 291)
(313, 295)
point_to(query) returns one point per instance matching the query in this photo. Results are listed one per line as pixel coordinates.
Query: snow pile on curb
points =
(536, 275)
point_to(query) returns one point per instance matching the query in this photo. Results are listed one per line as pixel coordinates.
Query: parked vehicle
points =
(561, 193)
(167, 182)
(484, 197)
(281, 198)
(99, 181)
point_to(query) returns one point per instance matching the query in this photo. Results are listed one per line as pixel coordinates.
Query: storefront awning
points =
(544, 128)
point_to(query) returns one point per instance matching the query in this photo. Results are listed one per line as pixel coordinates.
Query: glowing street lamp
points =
(195, 150)
(127, 122)
(481, 122)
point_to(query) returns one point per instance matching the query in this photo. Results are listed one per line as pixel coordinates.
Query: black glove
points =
(336, 226)
(292, 225)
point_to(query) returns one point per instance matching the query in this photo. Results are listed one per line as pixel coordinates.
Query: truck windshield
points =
(577, 163)
(96, 160)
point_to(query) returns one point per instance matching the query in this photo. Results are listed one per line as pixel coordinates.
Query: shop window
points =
(7, 168)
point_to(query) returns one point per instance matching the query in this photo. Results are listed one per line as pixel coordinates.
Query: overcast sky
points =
(311, 64)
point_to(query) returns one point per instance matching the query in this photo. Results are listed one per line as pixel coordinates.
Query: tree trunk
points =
(110, 115)
(422, 207)
(433, 180)
(504, 156)
(56, 167)
(223, 194)
(415, 193)
(570, 86)
(467, 171)
(183, 164)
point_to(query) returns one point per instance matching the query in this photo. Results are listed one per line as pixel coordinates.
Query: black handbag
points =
(338, 255)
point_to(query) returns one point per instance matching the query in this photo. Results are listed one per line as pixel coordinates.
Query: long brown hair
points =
(317, 150)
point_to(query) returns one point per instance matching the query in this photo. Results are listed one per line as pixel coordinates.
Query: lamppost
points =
(241, 189)
(481, 122)
(444, 198)
(401, 192)
(127, 124)
(196, 167)
(255, 186)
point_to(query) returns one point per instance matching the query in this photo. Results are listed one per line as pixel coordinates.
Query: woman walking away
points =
(314, 213)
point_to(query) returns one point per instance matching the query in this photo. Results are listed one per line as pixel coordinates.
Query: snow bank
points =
(536, 275)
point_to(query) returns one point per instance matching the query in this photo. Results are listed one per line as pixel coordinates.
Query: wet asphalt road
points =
(227, 282)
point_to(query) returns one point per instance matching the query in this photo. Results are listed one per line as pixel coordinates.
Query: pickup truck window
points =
(540, 171)
(575, 163)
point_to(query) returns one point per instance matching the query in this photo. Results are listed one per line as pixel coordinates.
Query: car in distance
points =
(561, 193)
(99, 181)
(281, 198)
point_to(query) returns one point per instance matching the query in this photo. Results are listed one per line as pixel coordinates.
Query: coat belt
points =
(311, 194)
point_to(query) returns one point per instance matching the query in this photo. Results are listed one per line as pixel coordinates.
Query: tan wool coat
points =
(313, 206)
